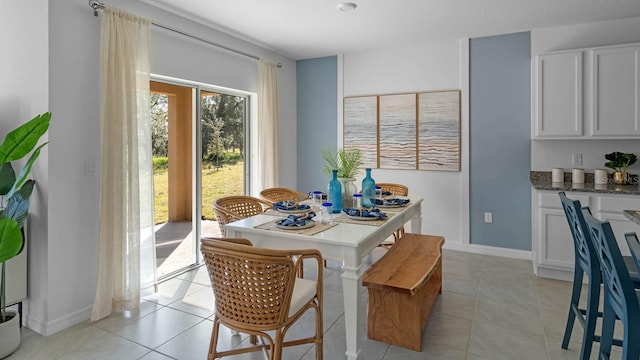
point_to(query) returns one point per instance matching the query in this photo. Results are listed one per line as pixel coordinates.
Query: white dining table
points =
(347, 243)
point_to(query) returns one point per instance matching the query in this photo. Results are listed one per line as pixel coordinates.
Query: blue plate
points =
(291, 207)
(307, 223)
(364, 214)
(392, 202)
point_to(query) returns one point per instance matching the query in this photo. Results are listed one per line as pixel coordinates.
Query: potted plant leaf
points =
(619, 162)
(348, 162)
(14, 208)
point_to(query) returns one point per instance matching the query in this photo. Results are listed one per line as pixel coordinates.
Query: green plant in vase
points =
(348, 162)
(14, 206)
(619, 162)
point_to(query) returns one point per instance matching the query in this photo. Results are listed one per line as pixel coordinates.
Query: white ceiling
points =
(303, 29)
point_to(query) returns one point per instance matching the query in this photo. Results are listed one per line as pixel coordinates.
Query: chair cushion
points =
(303, 291)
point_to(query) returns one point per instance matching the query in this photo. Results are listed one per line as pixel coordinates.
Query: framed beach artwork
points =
(439, 130)
(398, 131)
(417, 131)
(361, 127)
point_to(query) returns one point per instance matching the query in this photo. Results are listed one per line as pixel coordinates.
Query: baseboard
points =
(52, 327)
(557, 274)
(489, 250)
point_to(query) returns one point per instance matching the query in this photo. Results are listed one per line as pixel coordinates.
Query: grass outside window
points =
(216, 183)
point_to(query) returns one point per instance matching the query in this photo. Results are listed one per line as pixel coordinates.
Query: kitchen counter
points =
(541, 180)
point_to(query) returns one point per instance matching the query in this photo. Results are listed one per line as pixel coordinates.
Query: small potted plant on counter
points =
(619, 162)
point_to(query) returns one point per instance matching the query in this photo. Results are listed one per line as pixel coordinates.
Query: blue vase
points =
(335, 193)
(368, 190)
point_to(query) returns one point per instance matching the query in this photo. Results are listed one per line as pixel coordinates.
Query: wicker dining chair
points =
(276, 194)
(233, 208)
(256, 292)
(396, 190)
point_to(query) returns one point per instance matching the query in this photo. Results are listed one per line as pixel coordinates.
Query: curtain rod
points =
(96, 5)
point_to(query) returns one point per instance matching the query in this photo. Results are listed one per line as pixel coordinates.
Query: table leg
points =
(352, 290)
(416, 223)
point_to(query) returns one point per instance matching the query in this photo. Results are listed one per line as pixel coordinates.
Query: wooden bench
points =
(403, 285)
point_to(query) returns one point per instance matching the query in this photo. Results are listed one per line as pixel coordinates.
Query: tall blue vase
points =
(335, 193)
(368, 190)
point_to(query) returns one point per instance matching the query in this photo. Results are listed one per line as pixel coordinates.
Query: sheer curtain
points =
(267, 124)
(126, 194)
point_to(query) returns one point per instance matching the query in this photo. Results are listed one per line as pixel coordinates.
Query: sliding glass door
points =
(199, 144)
(223, 119)
(172, 128)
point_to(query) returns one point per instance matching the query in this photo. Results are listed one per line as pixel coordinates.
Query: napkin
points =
(365, 213)
(392, 201)
(290, 205)
(297, 220)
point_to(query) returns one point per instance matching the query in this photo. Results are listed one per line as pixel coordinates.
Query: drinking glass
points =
(378, 192)
(357, 201)
(327, 213)
(317, 199)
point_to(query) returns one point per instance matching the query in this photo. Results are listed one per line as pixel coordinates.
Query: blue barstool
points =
(586, 262)
(621, 300)
(634, 246)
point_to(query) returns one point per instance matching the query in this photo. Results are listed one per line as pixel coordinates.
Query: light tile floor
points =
(491, 308)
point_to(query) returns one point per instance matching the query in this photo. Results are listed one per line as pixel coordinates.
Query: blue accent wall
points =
(317, 126)
(500, 131)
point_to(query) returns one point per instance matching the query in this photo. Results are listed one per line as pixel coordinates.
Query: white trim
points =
(558, 274)
(59, 324)
(194, 84)
(340, 102)
(465, 216)
(489, 250)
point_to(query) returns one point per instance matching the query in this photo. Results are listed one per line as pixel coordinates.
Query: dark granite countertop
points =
(541, 180)
(633, 215)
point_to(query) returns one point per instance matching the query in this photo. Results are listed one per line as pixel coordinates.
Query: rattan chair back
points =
(240, 274)
(253, 289)
(233, 208)
(394, 189)
(276, 194)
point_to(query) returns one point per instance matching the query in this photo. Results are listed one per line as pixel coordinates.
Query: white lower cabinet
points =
(553, 252)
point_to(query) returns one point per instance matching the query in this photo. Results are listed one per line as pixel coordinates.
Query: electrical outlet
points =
(576, 159)
(488, 217)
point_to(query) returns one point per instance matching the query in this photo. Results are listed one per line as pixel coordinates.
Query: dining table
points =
(347, 241)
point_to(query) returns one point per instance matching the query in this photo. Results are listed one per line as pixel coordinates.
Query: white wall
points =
(430, 66)
(546, 154)
(444, 65)
(51, 62)
(24, 93)
(54, 65)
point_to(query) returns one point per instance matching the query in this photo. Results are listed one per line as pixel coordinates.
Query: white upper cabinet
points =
(601, 101)
(614, 92)
(558, 107)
